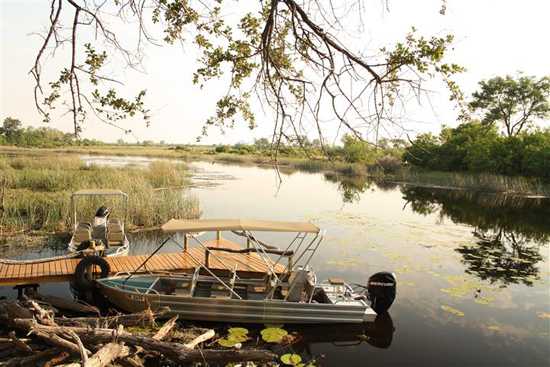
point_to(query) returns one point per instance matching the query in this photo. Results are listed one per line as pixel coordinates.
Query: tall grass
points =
(37, 192)
(474, 181)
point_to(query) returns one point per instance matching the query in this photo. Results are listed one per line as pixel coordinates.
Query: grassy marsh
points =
(403, 174)
(35, 192)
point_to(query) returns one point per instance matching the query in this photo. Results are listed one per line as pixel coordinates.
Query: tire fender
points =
(81, 279)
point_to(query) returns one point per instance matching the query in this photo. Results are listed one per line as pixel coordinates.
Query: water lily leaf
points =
(227, 343)
(237, 331)
(452, 310)
(484, 300)
(237, 338)
(493, 328)
(273, 334)
(291, 359)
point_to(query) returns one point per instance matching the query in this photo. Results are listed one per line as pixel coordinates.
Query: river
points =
(473, 269)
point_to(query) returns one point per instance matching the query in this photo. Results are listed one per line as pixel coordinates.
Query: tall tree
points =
(10, 129)
(513, 102)
(286, 53)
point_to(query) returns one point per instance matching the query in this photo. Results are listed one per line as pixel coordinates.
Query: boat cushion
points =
(115, 232)
(83, 232)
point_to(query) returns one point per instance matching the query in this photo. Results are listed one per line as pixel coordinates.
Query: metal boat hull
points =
(241, 311)
(123, 250)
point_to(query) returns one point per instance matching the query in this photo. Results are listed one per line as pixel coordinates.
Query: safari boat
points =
(104, 234)
(287, 293)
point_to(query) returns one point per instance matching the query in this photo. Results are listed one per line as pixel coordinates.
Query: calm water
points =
(473, 270)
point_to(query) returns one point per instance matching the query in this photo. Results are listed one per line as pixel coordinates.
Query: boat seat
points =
(83, 232)
(300, 286)
(115, 232)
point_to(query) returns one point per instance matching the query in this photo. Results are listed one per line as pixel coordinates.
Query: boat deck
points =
(185, 261)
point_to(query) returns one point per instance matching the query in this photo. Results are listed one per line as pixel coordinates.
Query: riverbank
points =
(35, 193)
(514, 185)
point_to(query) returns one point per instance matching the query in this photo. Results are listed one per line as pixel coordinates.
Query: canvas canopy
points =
(205, 225)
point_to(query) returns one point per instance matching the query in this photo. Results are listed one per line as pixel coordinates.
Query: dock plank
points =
(63, 269)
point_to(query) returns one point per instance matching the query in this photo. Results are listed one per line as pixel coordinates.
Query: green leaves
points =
(291, 359)
(273, 334)
(512, 102)
(235, 336)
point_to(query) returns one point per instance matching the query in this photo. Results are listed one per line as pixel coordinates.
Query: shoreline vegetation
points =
(35, 193)
(385, 168)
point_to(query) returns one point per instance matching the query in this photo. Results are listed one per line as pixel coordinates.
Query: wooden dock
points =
(63, 270)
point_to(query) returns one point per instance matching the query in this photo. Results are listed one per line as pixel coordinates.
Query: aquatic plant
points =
(37, 192)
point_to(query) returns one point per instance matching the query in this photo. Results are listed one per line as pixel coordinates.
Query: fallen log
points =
(67, 305)
(176, 352)
(57, 359)
(19, 344)
(200, 339)
(31, 360)
(144, 318)
(108, 353)
(163, 332)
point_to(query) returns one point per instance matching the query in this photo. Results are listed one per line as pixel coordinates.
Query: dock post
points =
(218, 235)
(185, 240)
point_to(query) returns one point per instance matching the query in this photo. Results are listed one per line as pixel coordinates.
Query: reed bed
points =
(474, 181)
(35, 192)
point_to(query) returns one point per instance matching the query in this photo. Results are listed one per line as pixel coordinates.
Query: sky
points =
(492, 37)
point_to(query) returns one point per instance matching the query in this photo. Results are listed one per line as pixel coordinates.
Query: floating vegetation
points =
(452, 310)
(273, 334)
(463, 287)
(291, 359)
(493, 327)
(543, 315)
(235, 337)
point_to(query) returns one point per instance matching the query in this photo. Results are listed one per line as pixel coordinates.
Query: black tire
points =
(82, 279)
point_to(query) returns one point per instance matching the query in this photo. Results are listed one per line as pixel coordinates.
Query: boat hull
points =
(241, 311)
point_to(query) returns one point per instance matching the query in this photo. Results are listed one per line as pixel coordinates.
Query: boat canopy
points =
(205, 225)
(91, 192)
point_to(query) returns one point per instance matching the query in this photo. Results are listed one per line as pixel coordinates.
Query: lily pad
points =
(291, 359)
(452, 310)
(238, 331)
(227, 343)
(273, 334)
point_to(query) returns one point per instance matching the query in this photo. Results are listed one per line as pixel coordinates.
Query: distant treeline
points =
(12, 132)
(476, 147)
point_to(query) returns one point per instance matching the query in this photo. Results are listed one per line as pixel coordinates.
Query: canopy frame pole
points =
(147, 259)
(200, 265)
(210, 253)
(271, 266)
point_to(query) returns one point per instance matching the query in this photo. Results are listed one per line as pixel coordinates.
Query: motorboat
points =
(104, 234)
(288, 293)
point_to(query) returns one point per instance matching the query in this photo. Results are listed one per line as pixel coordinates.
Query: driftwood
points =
(163, 332)
(200, 339)
(102, 341)
(144, 318)
(31, 360)
(57, 359)
(108, 353)
(176, 352)
(66, 304)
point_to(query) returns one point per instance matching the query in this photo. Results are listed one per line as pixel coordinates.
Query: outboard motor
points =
(382, 289)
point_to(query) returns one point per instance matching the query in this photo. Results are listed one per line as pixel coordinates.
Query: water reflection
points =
(350, 187)
(501, 256)
(509, 231)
